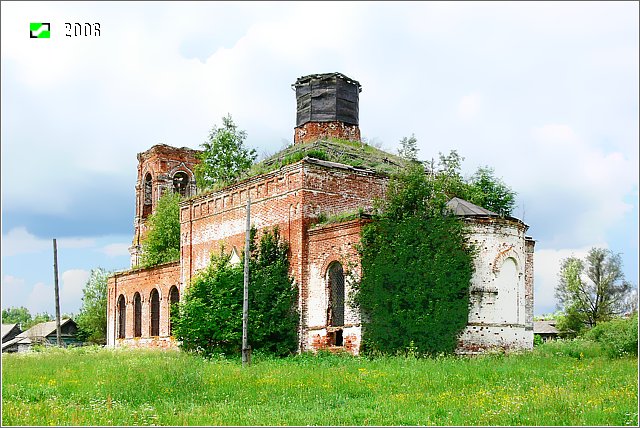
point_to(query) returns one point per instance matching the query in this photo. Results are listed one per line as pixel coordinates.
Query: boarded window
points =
(122, 317)
(137, 315)
(155, 313)
(336, 295)
(181, 183)
(147, 200)
(174, 298)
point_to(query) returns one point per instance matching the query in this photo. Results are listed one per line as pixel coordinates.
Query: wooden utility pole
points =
(55, 282)
(246, 356)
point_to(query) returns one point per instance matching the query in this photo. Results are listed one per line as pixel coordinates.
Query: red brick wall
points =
(314, 131)
(290, 198)
(143, 281)
(328, 244)
(162, 162)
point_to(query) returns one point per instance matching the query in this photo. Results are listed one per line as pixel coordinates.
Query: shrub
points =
(162, 244)
(618, 337)
(537, 340)
(578, 348)
(209, 319)
(416, 269)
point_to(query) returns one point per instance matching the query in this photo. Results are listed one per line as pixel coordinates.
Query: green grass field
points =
(555, 384)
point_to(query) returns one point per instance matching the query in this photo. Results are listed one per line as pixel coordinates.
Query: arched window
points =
(335, 276)
(155, 313)
(147, 196)
(181, 183)
(174, 298)
(137, 315)
(122, 317)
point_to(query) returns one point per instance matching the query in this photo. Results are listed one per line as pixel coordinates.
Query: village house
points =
(9, 331)
(45, 334)
(323, 258)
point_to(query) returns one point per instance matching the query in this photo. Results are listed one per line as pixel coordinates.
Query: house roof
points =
(545, 327)
(6, 329)
(465, 208)
(17, 339)
(44, 329)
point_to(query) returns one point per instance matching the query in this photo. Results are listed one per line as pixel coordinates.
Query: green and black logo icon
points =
(40, 30)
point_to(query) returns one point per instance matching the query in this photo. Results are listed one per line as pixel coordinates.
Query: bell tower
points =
(162, 168)
(327, 107)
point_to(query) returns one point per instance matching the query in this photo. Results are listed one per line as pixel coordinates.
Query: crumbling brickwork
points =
(323, 258)
(162, 168)
(498, 297)
(142, 281)
(314, 131)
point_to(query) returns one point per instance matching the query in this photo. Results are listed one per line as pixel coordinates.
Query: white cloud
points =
(41, 299)
(73, 282)
(14, 291)
(546, 267)
(42, 296)
(115, 250)
(574, 190)
(20, 241)
(469, 106)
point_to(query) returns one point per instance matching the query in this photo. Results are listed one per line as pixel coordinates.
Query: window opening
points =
(137, 315)
(155, 313)
(147, 200)
(181, 183)
(174, 298)
(336, 297)
(122, 317)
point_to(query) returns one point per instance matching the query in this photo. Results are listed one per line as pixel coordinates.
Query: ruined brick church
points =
(323, 257)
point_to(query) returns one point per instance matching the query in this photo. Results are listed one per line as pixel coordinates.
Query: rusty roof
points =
(466, 208)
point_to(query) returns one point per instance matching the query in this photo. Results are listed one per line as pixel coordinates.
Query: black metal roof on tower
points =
(325, 76)
(328, 97)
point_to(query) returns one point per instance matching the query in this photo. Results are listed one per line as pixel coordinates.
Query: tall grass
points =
(552, 385)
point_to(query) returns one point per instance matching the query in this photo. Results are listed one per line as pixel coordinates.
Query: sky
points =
(546, 93)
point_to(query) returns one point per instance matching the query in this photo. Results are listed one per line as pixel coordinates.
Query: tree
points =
(483, 188)
(210, 315)
(591, 291)
(409, 148)
(224, 158)
(416, 269)
(209, 318)
(39, 318)
(273, 320)
(162, 243)
(92, 319)
(19, 315)
(490, 192)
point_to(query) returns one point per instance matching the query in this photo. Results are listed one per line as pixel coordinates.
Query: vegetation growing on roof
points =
(325, 219)
(353, 153)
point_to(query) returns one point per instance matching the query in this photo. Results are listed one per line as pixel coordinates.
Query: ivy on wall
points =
(416, 270)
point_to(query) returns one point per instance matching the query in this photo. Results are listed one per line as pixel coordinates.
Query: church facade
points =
(323, 257)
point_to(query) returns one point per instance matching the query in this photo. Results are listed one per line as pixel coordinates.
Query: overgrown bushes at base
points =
(209, 319)
(416, 270)
(618, 337)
